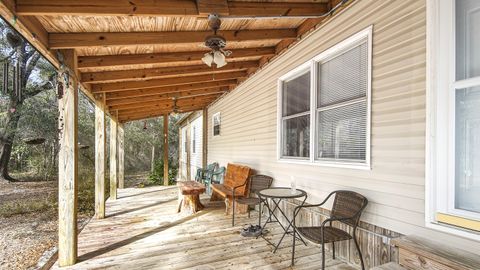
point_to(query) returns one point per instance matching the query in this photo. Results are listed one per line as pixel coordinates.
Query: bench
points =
(189, 196)
(236, 180)
(420, 253)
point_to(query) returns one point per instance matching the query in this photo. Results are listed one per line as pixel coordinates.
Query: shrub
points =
(156, 177)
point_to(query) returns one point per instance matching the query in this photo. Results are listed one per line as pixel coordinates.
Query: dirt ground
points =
(28, 221)
(24, 236)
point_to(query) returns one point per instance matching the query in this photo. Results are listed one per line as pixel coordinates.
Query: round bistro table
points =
(276, 195)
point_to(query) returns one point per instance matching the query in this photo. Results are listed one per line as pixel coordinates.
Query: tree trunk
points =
(6, 142)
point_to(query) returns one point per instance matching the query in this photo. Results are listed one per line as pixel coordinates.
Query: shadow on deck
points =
(143, 231)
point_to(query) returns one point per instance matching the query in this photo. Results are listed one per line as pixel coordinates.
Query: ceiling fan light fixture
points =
(208, 59)
(219, 59)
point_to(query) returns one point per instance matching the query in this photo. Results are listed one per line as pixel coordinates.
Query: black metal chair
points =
(257, 183)
(347, 208)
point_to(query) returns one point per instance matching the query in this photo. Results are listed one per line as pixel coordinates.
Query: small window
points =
(216, 124)
(194, 135)
(185, 142)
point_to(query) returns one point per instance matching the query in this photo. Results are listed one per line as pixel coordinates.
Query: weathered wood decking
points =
(143, 231)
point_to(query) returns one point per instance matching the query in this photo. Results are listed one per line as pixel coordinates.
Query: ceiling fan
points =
(216, 43)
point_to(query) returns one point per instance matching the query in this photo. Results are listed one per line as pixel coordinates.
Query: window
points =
(330, 96)
(194, 135)
(216, 124)
(296, 117)
(342, 105)
(453, 160)
(185, 143)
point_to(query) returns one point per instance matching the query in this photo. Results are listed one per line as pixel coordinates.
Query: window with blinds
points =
(328, 122)
(342, 106)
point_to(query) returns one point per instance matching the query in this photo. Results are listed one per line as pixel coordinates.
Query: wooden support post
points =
(67, 165)
(165, 150)
(113, 158)
(100, 150)
(121, 157)
(204, 138)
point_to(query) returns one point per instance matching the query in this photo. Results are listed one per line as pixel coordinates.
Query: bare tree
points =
(19, 51)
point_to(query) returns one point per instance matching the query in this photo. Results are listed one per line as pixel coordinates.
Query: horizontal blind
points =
(342, 106)
(342, 132)
(343, 77)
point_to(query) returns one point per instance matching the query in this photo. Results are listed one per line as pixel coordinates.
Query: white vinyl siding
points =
(395, 185)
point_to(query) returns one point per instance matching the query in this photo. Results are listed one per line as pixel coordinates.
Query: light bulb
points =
(208, 59)
(219, 59)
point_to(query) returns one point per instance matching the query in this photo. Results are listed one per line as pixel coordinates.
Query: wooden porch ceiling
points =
(138, 56)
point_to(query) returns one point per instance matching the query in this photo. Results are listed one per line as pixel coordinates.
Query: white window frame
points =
(312, 66)
(440, 133)
(213, 124)
(297, 72)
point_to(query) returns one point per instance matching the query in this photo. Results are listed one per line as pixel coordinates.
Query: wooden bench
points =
(420, 253)
(189, 196)
(236, 180)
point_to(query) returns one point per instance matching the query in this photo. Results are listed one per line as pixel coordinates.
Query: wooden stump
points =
(190, 203)
(189, 196)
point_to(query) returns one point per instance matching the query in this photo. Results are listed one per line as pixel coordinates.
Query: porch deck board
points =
(143, 231)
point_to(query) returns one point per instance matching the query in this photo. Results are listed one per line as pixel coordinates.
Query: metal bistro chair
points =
(257, 183)
(347, 208)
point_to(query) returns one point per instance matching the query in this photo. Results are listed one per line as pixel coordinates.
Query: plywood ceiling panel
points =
(73, 24)
(115, 18)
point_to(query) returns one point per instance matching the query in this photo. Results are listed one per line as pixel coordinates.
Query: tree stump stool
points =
(189, 196)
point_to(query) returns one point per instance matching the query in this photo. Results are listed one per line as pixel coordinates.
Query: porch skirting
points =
(374, 241)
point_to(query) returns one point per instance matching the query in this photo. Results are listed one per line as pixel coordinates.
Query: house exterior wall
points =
(395, 185)
(189, 162)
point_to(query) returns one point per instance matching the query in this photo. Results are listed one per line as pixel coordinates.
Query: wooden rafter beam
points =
(276, 9)
(143, 74)
(167, 96)
(166, 103)
(122, 86)
(89, 62)
(167, 8)
(163, 108)
(81, 40)
(129, 94)
(143, 116)
(30, 28)
(33, 31)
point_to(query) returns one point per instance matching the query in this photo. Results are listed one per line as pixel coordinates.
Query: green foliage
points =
(156, 176)
(139, 143)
